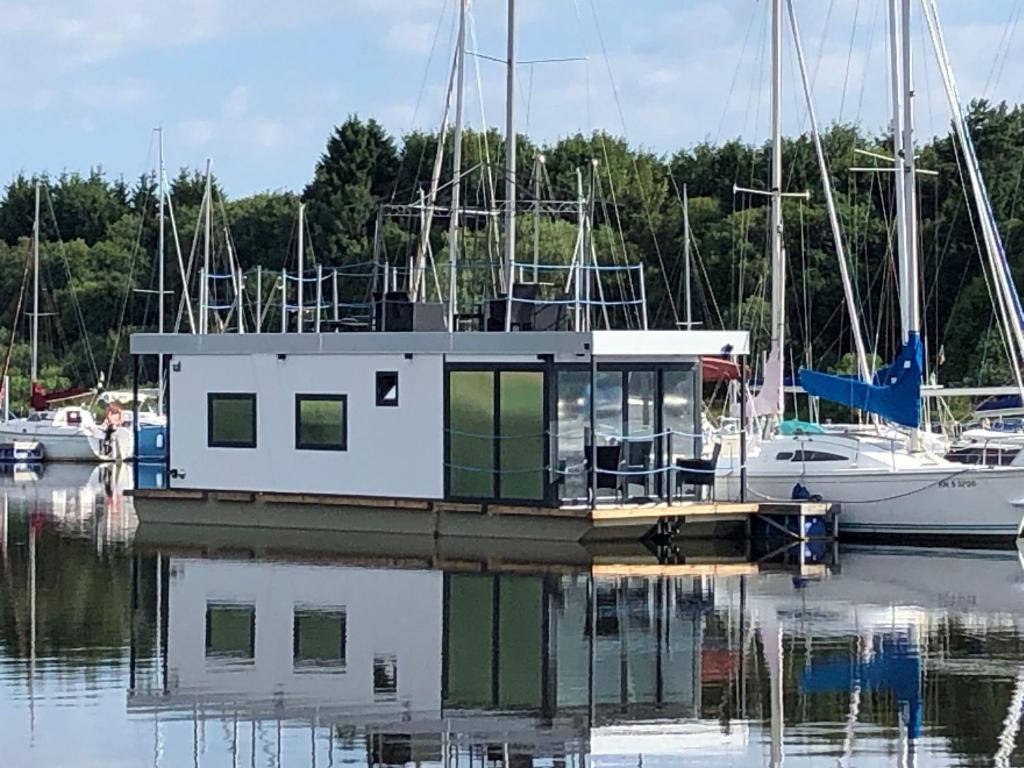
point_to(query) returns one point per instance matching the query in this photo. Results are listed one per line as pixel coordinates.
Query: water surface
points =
(119, 650)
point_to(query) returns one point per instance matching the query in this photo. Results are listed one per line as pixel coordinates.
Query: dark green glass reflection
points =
(471, 430)
(522, 435)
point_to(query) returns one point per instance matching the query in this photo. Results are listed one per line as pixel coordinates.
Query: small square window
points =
(321, 422)
(319, 639)
(387, 389)
(231, 632)
(230, 420)
(385, 677)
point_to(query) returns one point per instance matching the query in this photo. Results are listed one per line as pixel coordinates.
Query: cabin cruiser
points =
(71, 433)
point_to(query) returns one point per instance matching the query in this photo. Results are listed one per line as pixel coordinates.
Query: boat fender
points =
(800, 493)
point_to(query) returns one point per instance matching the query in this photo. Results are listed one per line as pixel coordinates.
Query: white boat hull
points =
(890, 493)
(66, 445)
(976, 503)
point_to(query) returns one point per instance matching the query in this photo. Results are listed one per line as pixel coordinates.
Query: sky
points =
(258, 85)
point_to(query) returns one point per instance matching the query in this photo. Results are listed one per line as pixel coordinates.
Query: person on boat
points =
(112, 421)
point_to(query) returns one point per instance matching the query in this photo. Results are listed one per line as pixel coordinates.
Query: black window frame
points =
(301, 397)
(210, 398)
(385, 670)
(299, 664)
(229, 657)
(381, 401)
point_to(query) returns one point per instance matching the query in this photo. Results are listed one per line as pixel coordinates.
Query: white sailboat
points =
(69, 432)
(891, 487)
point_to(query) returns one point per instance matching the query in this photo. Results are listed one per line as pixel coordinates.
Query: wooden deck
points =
(408, 515)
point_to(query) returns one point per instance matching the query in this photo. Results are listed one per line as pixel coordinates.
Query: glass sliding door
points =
(522, 438)
(572, 426)
(471, 469)
(640, 443)
(679, 414)
(497, 437)
(608, 407)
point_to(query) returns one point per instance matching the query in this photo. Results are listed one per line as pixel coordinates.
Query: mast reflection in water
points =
(115, 653)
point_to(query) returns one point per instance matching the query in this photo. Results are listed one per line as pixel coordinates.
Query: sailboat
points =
(892, 486)
(67, 432)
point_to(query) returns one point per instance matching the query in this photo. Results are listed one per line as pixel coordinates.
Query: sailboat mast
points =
(910, 181)
(453, 224)
(35, 290)
(778, 253)
(899, 177)
(510, 153)
(160, 237)
(160, 269)
(686, 259)
(302, 267)
(204, 288)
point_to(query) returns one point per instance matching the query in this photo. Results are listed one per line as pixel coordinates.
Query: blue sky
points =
(258, 84)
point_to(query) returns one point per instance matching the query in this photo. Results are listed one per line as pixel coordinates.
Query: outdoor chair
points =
(698, 473)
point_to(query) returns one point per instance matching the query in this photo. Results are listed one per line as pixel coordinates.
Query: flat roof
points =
(630, 344)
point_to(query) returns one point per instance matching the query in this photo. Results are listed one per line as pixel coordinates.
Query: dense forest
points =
(99, 237)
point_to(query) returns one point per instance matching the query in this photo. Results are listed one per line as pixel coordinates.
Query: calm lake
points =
(122, 647)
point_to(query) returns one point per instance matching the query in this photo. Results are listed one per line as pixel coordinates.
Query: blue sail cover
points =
(895, 395)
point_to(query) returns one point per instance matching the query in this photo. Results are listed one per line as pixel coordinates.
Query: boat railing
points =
(377, 295)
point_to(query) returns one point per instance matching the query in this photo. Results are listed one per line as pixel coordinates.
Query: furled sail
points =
(895, 394)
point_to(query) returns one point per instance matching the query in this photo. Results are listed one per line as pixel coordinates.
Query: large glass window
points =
(231, 420)
(471, 433)
(608, 407)
(231, 631)
(678, 414)
(522, 434)
(573, 419)
(321, 422)
(319, 638)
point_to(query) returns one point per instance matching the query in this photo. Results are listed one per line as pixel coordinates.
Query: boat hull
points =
(928, 504)
(66, 445)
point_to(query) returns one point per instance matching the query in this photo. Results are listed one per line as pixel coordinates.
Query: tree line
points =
(98, 237)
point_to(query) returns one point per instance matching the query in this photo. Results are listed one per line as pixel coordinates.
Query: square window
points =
(319, 639)
(231, 420)
(231, 632)
(321, 422)
(387, 389)
(385, 677)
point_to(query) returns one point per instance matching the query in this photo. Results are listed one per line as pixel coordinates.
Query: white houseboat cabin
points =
(534, 418)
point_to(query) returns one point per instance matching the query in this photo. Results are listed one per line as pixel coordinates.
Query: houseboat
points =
(419, 430)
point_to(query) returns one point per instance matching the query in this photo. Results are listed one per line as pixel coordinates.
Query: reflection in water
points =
(109, 655)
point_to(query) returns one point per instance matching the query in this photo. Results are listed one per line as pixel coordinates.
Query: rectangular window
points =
(319, 638)
(231, 420)
(321, 422)
(231, 632)
(387, 389)
(385, 677)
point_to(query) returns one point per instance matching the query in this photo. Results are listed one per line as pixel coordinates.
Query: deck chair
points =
(699, 473)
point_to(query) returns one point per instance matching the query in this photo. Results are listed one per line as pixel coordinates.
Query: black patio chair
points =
(609, 465)
(638, 461)
(699, 473)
